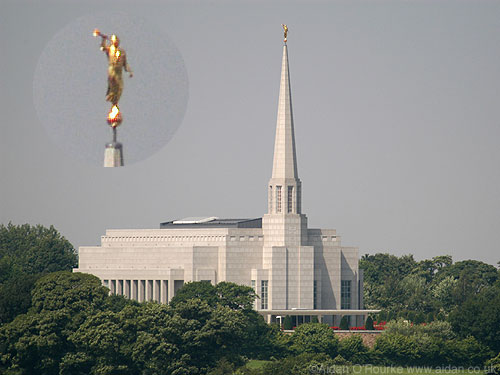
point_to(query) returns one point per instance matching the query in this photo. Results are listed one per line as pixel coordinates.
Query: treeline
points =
(74, 327)
(26, 254)
(53, 321)
(466, 294)
(314, 346)
(422, 291)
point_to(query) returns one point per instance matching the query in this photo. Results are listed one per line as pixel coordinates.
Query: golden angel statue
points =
(285, 31)
(117, 62)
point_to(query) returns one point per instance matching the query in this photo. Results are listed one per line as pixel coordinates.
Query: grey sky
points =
(396, 120)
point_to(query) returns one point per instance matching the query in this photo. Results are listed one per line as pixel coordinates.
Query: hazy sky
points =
(396, 107)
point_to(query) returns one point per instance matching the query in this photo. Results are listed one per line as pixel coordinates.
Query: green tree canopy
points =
(234, 296)
(369, 323)
(34, 249)
(77, 292)
(314, 338)
(15, 296)
(26, 253)
(203, 290)
(353, 349)
(427, 288)
(471, 277)
(344, 323)
(479, 316)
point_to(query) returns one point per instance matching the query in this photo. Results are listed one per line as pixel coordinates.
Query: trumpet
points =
(97, 33)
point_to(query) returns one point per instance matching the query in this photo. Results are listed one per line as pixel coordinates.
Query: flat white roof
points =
(195, 220)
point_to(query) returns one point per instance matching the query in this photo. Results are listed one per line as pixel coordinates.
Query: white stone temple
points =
(295, 270)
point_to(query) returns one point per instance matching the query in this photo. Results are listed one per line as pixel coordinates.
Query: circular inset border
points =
(70, 84)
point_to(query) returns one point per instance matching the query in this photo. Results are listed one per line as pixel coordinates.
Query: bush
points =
(314, 319)
(466, 352)
(382, 316)
(224, 367)
(438, 329)
(391, 315)
(369, 323)
(419, 318)
(479, 316)
(353, 349)
(422, 349)
(287, 323)
(493, 365)
(305, 364)
(429, 318)
(395, 349)
(314, 338)
(411, 316)
(344, 323)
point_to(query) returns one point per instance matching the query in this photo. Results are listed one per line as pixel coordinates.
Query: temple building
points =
(295, 270)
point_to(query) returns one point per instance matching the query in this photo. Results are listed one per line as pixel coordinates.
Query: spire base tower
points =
(113, 155)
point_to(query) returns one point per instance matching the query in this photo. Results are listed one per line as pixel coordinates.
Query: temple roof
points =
(212, 222)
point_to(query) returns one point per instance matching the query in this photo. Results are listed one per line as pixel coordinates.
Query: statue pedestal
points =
(113, 155)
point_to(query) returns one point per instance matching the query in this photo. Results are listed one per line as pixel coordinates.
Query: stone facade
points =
(289, 265)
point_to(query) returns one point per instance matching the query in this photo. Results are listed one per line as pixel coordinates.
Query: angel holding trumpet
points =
(117, 62)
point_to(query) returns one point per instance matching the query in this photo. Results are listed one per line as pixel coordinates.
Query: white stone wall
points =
(243, 253)
(158, 260)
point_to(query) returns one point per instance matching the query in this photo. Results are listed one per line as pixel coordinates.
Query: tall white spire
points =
(284, 225)
(284, 185)
(285, 158)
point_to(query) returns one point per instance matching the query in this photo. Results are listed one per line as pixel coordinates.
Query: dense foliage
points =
(422, 291)
(314, 338)
(74, 327)
(67, 323)
(434, 344)
(369, 324)
(479, 316)
(26, 253)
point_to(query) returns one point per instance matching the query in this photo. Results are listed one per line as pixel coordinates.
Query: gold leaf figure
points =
(285, 31)
(117, 61)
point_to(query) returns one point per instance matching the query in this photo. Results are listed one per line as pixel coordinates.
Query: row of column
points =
(140, 290)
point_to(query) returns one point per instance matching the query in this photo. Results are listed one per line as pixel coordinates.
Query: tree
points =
(26, 253)
(34, 249)
(429, 267)
(415, 293)
(287, 323)
(314, 338)
(80, 293)
(37, 342)
(479, 316)
(471, 277)
(203, 290)
(369, 323)
(261, 340)
(353, 349)
(15, 296)
(104, 342)
(344, 323)
(494, 364)
(442, 291)
(395, 349)
(301, 364)
(382, 276)
(234, 296)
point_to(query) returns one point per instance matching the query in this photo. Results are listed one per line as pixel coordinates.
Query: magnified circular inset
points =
(71, 81)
